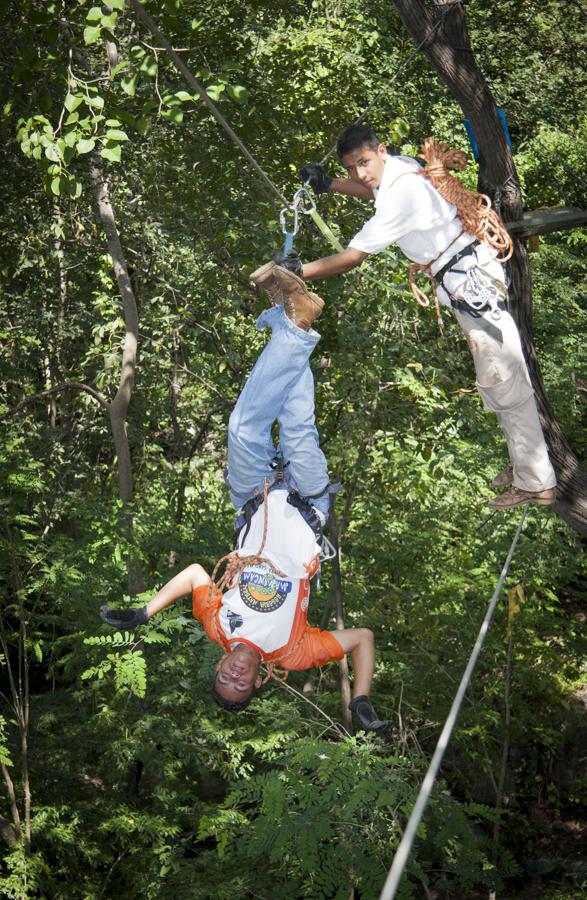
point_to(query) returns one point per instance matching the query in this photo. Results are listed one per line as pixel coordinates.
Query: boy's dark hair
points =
(354, 137)
(232, 705)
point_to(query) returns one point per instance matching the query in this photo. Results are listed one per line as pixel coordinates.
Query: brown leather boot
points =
(264, 277)
(300, 304)
(517, 497)
(504, 479)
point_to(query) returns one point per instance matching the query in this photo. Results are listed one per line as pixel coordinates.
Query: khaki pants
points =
(504, 385)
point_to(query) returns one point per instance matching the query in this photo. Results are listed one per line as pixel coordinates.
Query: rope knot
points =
(273, 671)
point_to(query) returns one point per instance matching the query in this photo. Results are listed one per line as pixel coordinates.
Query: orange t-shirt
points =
(305, 647)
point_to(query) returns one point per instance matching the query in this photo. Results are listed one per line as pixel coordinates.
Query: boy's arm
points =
(350, 188)
(333, 265)
(181, 584)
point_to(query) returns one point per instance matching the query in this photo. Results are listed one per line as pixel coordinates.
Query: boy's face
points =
(238, 673)
(365, 166)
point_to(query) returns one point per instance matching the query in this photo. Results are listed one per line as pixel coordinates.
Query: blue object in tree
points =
(471, 133)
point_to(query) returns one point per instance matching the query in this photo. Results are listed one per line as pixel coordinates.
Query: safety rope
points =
(473, 209)
(403, 851)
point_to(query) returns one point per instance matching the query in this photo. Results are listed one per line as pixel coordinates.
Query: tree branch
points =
(13, 805)
(7, 832)
(59, 389)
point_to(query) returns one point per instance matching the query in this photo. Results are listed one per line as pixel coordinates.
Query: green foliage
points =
(140, 785)
(4, 752)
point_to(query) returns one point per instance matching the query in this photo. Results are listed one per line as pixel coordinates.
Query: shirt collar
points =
(393, 168)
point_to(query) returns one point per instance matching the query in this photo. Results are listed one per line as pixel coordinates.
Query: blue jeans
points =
(280, 387)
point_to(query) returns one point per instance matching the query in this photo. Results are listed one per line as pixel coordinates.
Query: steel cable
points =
(403, 851)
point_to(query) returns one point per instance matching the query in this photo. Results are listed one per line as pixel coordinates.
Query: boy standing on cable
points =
(258, 611)
(450, 245)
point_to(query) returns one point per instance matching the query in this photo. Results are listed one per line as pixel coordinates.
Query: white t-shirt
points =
(263, 608)
(411, 213)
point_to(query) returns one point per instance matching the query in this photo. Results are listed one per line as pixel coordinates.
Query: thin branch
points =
(12, 799)
(338, 728)
(162, 49)
(58, 389)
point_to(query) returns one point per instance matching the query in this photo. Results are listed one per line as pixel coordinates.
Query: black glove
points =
(291, 261)
(124, 618)
(314, 174)
(366, 715)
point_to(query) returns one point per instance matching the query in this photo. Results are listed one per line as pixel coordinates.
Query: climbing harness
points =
(478, 294)
(294, 498)
(403, 851)
(307, 512)
(479, 291)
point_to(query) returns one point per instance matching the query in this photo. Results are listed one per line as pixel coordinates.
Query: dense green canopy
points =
(120, 776)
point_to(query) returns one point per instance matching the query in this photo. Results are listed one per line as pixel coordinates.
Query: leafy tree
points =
(120, 778)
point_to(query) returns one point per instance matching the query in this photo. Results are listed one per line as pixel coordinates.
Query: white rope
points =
(403, 851)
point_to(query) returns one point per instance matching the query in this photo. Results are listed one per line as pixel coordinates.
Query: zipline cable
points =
(403, 851)
(193, 83)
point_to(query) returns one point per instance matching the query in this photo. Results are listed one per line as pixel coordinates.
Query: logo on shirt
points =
(262, 590)
(234, 620)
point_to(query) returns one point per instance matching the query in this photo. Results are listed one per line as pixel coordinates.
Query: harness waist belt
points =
(461, 306)
(454, 260)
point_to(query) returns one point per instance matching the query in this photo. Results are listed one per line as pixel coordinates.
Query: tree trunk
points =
(7, 832)
(118, 409)
(450, 51)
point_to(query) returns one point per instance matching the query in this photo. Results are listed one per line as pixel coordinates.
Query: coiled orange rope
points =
(474, 211)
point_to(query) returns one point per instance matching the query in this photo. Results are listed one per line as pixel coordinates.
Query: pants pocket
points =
(508, 394)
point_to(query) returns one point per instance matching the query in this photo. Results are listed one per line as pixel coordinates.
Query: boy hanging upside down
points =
(261, 617)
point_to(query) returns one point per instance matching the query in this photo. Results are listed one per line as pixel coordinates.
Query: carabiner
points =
(302, 202)
(298, 200)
